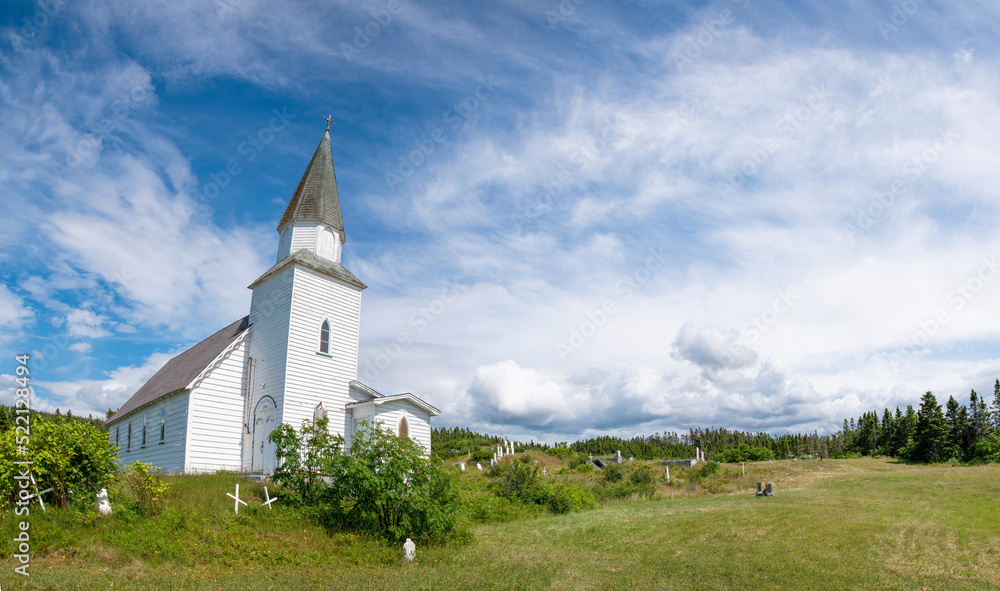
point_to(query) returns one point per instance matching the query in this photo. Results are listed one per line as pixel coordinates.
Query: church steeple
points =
(313, 215)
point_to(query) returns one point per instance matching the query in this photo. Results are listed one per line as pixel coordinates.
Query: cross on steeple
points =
(329, 121)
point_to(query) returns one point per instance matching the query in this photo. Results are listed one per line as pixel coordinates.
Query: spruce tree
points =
(956, 422)
(996, 405)
(932, 431)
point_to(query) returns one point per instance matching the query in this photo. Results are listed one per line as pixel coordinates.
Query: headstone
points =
(409, 550)
(697, 454)
(760, 491)
(618, 456)
(668, 473)
(102, 502)
(543, 471)
(479, 466)
(462, 466)
(744, 465)
(767, 491)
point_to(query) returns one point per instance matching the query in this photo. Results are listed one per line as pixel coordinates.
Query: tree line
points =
(967, 433)
(961, 432)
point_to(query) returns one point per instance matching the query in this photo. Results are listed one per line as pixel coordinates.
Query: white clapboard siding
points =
(216, 411)
(312, 377)
(167, 455)
(418, 420)
(269, 316)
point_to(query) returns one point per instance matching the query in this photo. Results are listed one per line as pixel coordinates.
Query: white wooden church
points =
(294, 357)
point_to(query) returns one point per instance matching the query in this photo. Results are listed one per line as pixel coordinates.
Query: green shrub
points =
(564, 497)
(642, 475)
(481, 455)
(302, 456)
(612, 472)
(66, 455)
(710, 467)
(746, 453)
(515, 481)
(386, 486)
(143, 482)
(561, 451)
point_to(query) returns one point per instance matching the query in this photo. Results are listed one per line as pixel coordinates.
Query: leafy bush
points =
(515, 481)
(143, 482)
(302, 456)
(746, 453)
(613, 473)
(386, 486)
(481, 455)
(564, 497)
(710, 467)
(561, 451)
(66, 455)
(641, 475)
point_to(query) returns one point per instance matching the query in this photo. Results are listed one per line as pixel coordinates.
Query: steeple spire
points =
(316, 198)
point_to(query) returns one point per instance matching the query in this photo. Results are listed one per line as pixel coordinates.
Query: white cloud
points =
(83, 348)
(14, 314)
(97, 396)
(85, 323)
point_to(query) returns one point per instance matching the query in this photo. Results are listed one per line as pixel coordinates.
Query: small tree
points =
(302, 457)
(386, 485)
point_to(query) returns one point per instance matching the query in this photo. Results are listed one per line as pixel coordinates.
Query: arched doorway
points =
(265, 417)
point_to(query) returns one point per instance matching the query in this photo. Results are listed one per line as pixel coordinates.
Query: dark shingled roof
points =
(179, 371)
(316, 199)
(312, 260)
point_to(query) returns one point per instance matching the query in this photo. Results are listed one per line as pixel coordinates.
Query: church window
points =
(116, 436)
(128, 440)
(144, 430)
(324, 337)
(404, 428)
(163, 423)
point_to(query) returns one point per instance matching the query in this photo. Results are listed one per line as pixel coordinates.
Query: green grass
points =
(848, 524)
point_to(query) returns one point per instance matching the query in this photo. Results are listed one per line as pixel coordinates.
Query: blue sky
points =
(592, 217)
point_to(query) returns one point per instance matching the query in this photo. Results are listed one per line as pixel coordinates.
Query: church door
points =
(264, 421)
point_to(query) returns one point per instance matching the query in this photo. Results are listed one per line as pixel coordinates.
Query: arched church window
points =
(324, 337)
(163, 423)
(144, 430)
(404, 428)
(128, 440)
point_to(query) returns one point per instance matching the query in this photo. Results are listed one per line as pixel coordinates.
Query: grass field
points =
(840, 524)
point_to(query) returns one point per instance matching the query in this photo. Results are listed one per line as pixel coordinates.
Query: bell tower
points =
(305, 314)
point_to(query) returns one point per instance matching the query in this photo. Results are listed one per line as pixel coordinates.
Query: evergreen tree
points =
(6, 420)
(956, 421)
(932, 431)
(996, 405)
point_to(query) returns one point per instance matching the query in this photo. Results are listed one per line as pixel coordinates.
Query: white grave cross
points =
(236, 505)
(266, 496)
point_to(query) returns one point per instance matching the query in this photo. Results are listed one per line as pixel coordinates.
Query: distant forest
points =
(965, 433)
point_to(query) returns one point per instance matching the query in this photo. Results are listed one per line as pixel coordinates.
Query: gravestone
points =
(102, 502)
(409, 550)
